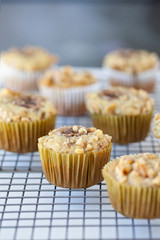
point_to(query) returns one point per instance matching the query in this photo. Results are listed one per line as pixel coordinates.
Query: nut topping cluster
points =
(15, 106)
(76, 139)
(141, 169)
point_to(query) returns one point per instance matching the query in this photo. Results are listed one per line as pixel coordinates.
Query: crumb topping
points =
(76, 139)
(120, 101)
(131, 61)
(142, 169)
(15, 106)
(66, 77)
(156, 128)
(28, 58)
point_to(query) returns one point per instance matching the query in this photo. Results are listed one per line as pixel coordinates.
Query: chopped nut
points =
(79, 151)
(79, 142)
(95, 138)
(125, 168)
(75, 128)
(151, 173)
(25, 119)
(99, 133)
(89, 147)
(156, 181)
(92, 129)
(82, 130)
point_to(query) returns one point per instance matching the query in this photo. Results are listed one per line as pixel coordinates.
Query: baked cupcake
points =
(23, 119)
(133, 183)
(156, 127)
(132, 68)
(125, 114)
(21, 68)
(72, 157)
(66, 88)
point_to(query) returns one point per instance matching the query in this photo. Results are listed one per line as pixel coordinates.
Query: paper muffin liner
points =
(17, 79)
(132, 201)
(73, 170)
(68, 101)
(145, 80)
(123, 129)
(22, 137)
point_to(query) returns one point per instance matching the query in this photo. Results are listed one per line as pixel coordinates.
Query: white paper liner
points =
(16, 79)
(142, 79)
(68, 101)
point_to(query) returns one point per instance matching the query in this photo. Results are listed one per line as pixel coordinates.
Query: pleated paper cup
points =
(17, 79)
(73, 170)
(123, 129)
(145, 80)
(68, 101)
(132, 201)
(22, 137)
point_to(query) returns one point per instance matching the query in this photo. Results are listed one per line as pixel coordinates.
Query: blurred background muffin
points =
(66, 88)
(132, 68)
(21, 68)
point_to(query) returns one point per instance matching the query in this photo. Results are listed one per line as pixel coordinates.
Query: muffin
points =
(156, 128)
(21, 68)
(66, 88)
(123, 113)
(73, 156)
(132, 68)
(133, 183)
(23, 119)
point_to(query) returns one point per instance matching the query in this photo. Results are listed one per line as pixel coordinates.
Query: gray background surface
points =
(81, 32)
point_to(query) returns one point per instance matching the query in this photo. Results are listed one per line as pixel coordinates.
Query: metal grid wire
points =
(31, 208)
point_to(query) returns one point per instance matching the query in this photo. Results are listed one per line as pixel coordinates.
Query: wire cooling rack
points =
(31, 208)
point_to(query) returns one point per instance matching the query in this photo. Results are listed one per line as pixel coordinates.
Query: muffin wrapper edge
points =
(145, 80)
(73, 170)
(68, 101)
(17, 79)
(22, 137)
(123, 129)
(133, 201)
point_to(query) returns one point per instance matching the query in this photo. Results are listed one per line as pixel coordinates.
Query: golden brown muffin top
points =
(131, 61)
(75, 139)
(142, 169)
(15, 106)
(156, 128)
(28, 58)
(66, 77)
(120, 101)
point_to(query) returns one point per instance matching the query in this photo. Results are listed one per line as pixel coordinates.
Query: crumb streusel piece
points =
(75, 139)
(140, 170)
(119, 101)
(16, 106)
